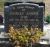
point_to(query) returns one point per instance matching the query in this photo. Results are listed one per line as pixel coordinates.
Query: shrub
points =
(48, 19)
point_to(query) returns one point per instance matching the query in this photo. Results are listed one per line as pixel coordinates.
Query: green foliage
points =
(48, 19)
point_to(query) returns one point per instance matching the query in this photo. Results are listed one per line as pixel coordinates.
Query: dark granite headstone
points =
(24, 14)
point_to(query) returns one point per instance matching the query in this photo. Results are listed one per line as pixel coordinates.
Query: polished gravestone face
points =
(24, 14)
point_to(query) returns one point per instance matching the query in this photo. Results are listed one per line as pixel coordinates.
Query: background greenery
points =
(48, 19)
(2, 5)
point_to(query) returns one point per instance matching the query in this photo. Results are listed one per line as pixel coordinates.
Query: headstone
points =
(26, 14)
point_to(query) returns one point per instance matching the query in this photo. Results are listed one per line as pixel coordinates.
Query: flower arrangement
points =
(23, 35)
